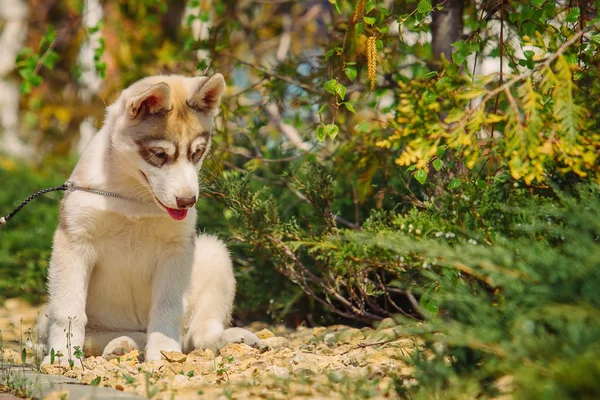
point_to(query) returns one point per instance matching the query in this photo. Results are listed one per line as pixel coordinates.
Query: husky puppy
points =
(130, 272)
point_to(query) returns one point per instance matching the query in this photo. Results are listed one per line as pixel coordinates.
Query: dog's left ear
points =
(208, 96)
(154, 100)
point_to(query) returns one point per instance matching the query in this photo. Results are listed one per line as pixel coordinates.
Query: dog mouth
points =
(176, 214)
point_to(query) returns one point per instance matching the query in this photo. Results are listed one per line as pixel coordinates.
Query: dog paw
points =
(159, 342)
(238, 335)
(119, 347)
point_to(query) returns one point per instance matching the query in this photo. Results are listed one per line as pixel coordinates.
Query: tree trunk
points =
(446, 28)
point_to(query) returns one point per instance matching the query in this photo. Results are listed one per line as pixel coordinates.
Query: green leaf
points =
(526, 13)
(454, 183)
(25, 87)
(51, 60)
(370, 6)
(23, 356)
(429, 97)
(330, 86)
(573, 15)
(421, 176)
(441, 150)
(52, 355)
(430, 75)
(320, 133)
(458, 58)
(337, 7)
(96, 381)
(340, 90)
(350, 107)
(334, 87)
(383, 29)
(369, 20)
(424, 7)
(359, 28)
(322, 108)
(332, 130)
(438, 164)
(350, 73)
(411, 168)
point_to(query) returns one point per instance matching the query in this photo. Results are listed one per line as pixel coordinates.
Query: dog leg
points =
(70, 269)
(210, 300)
(169, 284)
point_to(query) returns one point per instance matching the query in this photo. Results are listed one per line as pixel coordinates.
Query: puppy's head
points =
(164, 133)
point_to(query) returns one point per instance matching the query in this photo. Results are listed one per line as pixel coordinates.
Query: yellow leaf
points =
(383, 144)
(454, 116)
(471, 94)
(493, 118)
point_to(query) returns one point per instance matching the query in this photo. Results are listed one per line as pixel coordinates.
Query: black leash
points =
(68, 185)
(63, 187)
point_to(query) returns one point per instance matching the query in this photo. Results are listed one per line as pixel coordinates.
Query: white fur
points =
(123, 274)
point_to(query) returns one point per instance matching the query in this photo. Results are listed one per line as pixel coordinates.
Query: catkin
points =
(372, 60)
(359, 10)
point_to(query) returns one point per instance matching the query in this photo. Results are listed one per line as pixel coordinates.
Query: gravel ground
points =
(324, 362)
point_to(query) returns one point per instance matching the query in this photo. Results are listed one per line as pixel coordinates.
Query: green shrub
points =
(25, 242)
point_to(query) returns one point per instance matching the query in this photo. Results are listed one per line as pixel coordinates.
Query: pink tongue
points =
(177, 215)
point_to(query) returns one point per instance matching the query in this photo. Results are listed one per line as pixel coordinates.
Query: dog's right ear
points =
(154, 100)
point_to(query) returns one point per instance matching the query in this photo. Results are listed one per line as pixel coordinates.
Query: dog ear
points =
(154, 100)
(208, 96)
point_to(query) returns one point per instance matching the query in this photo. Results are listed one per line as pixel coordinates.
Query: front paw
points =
(239, 335)
(119, 347)
(156, 344)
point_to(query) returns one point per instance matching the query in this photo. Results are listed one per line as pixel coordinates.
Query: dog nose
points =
(185, 202)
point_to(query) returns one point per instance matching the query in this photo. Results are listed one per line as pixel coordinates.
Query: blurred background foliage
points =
(431, 161)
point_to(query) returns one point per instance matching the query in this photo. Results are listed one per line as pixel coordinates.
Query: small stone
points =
(11, 357)
(329, 339)
(304, 372)
(265, 334)
(319, 331)
(51, 369)
(307, 348)
(180, 381)
(88, 376)
(9, 336)
(257, 326)
(350, 335)
(237, 350)
(131, 359)
(387, 323)
(382, 335)
(174, 356)
(505, 384)
(323, 349)
(58, 395)
(280, 372)
(275, 342)
(280, 330)
(74, 373)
